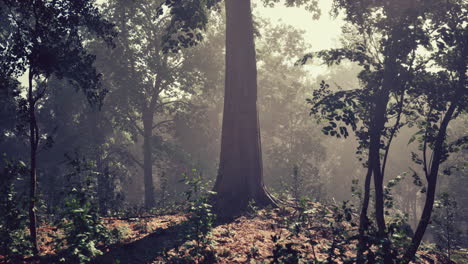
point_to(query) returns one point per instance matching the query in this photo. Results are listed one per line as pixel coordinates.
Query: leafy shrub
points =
(13, 218)
(201, 218)
(142, 227)
(82, 229)
(444, 225)
(285, 253)
(118, 234)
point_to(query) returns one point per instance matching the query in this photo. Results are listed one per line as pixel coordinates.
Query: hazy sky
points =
(321, 34)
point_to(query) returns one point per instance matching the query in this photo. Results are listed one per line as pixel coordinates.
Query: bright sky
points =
(321, 34)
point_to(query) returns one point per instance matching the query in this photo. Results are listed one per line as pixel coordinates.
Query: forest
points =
(235, 131)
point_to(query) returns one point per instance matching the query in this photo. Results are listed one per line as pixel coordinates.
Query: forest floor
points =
(258, 237)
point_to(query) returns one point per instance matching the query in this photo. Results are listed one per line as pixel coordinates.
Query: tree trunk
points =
(240, 176)
(363, 219)
(148, 159)
(430, 197)
(376, 129)
(33, 143)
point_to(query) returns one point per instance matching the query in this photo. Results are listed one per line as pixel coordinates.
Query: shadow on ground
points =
(145, 249)
(148, 248)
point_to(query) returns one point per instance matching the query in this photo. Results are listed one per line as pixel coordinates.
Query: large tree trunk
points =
(240, 177)
(148, 159)
(33, 143)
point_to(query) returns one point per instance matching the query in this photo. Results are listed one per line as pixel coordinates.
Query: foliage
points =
(44, 41)
(188, 20)
(13, 239)
(288, 139)
(82, 229)
(198, 248)
(48, 38)
(80, 222)
(252, 209)
(285, 254)
(384, 38)
(309, 5)
(201, 216)
(443, 223)
(334, 224)
(118, 234)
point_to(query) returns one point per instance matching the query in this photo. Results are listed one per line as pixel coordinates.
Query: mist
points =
(235, 131)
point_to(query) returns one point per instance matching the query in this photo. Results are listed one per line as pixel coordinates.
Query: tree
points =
(76, 130)
(397, 86)
(382, 38)
(149, 86)
(444, 224)
(240, 176)
(46, 40)
(288, 139)
(437, 99)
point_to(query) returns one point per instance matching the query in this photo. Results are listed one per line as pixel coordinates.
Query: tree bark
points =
(240, 176)
(148, 159)
(33, 143)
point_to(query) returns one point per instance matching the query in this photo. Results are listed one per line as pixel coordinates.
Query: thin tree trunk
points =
(33, 143)
(415, 209)
(375, 131)
(379, 194)
(363, 219)
(240, 176)
(432, 177)
(377, 127)
(147, 159)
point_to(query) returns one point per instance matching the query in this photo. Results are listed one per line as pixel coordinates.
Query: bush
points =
(13, 238)
(201, 218)
(198, 248)
(118, 234)
(447, 235)
(82, 229)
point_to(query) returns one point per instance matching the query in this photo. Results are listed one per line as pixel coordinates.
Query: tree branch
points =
(162, 123)
(134, 123)
(392, 133)
(171, 102)
(425, 146)
(135, 160)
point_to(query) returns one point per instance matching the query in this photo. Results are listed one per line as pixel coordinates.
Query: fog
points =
(139, 109)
